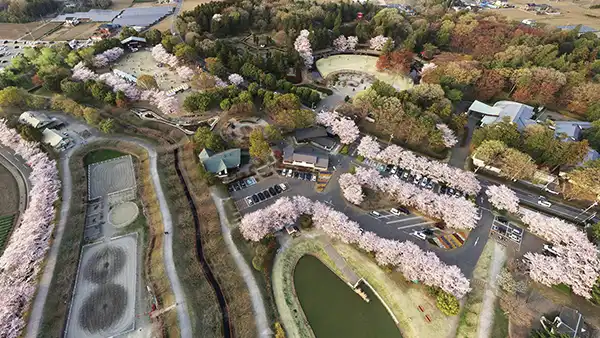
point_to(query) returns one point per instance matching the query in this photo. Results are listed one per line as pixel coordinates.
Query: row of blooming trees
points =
(21, 261)
(441, 172)
(448, 135)
(303, 47)
(342, 44)
(107, 57)
(160, 54)
(576, 264)
(457, 213)
(343, 127)
(408, 258)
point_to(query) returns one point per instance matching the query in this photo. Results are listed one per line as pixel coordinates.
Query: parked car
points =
(419, 235)
(552, 249)
(261, 196)
(278, 188)
(284, 172)
(424, 182)
(443, 189)
(375, 213)
(283, 186)
(417, 179)
(243, 184)
(290, 173)
(430, 184)
(395, 211)
(249, 201)
(314, 177)
(272, 191)
(544, 202)
(514, 237)
(400, 211)
(255, 198)
(394, 170)
(267, 194)
(296, 175)
(479, 214)
(405, 175)
(458, 193)
(502, 219)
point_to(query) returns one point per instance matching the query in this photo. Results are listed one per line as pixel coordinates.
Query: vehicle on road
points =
(375, 213)
(419, 234)
(544, 202)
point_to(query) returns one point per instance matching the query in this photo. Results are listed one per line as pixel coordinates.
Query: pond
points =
(363, 63)
(333, 309)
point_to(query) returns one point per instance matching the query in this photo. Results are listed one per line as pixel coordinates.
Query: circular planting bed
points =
(121, 215)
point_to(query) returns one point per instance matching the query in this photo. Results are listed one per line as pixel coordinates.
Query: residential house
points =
(316, 136)
(306, 156)
(515, 112)
(221, 164)
(35, 119)
(53, 138)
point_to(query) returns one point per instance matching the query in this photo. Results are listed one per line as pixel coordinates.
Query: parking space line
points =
(415, 225)
(403, 220)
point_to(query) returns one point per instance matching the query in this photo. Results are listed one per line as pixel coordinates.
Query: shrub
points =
(360, 158)
(447, 303)
(279, 333)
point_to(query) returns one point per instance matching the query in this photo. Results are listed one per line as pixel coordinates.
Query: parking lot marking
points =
(403, 220)
(415, 225)
(476, 241)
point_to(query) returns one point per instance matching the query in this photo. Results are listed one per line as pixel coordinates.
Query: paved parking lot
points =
(507, 232)
(402, 221)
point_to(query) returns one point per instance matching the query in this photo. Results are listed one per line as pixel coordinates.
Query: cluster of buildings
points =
(48, 126)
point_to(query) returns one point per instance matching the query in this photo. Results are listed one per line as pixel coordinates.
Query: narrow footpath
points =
(486, 318)
(258, 305)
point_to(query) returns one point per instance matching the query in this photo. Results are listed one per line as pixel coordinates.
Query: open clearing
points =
(141, 62)
(121, 4)
(164, 24)
(104, 299)
(80, 32)
(360, 63)
(571, 13)
(9, 199)
(101, 155)
(188, 5)
(16, 30)
(121, 215)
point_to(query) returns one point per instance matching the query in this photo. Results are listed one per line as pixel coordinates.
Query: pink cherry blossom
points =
(503, 198)
(83, 73)
(22, 259)
(352, 42)
(119, 84)
(166, 104)
(447, 135)
(368, 147)
(235, 79)
(107, 57)
(343, 127)
(351, 188)
(160, 54)
(302, 46)
(185, 73)
(378, 42)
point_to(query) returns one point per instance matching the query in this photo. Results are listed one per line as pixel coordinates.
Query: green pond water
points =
(334, 310)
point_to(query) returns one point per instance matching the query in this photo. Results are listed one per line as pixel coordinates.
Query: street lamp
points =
(588, 208)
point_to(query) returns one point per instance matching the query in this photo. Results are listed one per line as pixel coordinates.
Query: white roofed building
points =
(53, 138)
(34, 119)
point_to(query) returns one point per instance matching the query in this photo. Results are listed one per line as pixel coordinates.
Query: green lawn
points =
(500, 328)
(6, 225)
(101, 155)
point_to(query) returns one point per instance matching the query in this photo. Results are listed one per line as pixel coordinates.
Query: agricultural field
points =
(16, 30)
(121, 4)
(80, 32)
(9, 199)
(572, 13)
(41, 31)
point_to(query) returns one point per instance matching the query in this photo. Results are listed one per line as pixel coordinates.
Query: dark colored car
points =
(278, 189)
(266, 193)
(403, 210)
(502, 219)
(255, 198)
(443, 189)
(309, 176)
(272, 191)
(261, 196)
(243, 184)
(296, 174)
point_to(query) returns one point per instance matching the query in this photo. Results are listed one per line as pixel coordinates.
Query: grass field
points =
(572, 13)
(101, 155)
(9, 198)
(363, 63)
(6, 225)
(500, 327)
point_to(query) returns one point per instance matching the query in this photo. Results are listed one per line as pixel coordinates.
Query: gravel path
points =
(260, 314)
(486, 318)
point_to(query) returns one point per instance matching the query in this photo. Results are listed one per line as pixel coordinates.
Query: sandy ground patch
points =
(164, 24)
(121, 215)
(121, 4)
(42, 30)
(105, 294)
(571, 13)
(9, 198)
(81, 32)
(141, 62)
(363, 63)
(16, 30)
(188, 5)
(111, 176)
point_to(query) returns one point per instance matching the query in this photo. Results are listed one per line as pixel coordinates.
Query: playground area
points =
(141, 62)
(104, 300)
(121, 215)
(114, 178)
(360, 64)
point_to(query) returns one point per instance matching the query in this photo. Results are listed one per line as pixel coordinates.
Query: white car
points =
(249, 200)
(290, 172)
(551, 249)
(284, 172)
(394, 170)
(544, 202)
(375, 213)
(283, 186)
(419, 235)
(479, 214)
(395, 211)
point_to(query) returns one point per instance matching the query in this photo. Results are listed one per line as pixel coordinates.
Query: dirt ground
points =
(42, 30)
(121, 4)
(572, 13)
(164, 24)
(9, 199)
(80, 32)
(16, 30)
(141, 62)
(188, 5)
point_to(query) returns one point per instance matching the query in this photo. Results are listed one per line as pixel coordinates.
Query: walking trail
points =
(486, 318)
(260, 314)
(37, 307)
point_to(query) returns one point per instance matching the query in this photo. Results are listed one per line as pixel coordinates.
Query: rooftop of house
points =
(570, 129)
(582, 28)
(218, 162)
(306, 134)
(516, 112)
(34, 119)
(306, 154)
(51, 137)
(133, 39)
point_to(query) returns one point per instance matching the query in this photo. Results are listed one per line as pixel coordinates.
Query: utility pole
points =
(588, 208)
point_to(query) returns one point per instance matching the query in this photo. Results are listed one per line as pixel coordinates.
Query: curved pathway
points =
(260, 314)
(37, 307)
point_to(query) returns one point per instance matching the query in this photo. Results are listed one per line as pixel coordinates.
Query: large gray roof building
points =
(220, 163)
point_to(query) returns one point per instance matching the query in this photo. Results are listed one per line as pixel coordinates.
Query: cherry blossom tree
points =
(352, 42)
(235, 79)
(21, 261)
(503, 198)
(343, 127)
(302, 46)
(351, 188)
(166, 104)
(105, 58)
(160, 54)
(378, 42)
(220, 83)
(340, 44)
(390, 155)
(118, 84)
(428, 67)
(576, 264)
(83, 73)
(447, 135)
(406, 257)
(368, 147)
(185, 73)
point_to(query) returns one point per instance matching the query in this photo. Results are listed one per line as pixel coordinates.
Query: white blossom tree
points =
(368, 147)
(378, 42)
(447, 135)
(352, 42)
(235, 79)
(503, 198)
(107, 57)
(166, 104)
(340, 44)
(22, 259)
(118, 84)
(185, 73)
(351, 188)
(343, 127)
(83, 73)
(302, 46)
(160, 54)
(390, 155)
(428, 67)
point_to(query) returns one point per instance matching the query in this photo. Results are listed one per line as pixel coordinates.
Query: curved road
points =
(37, 307)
